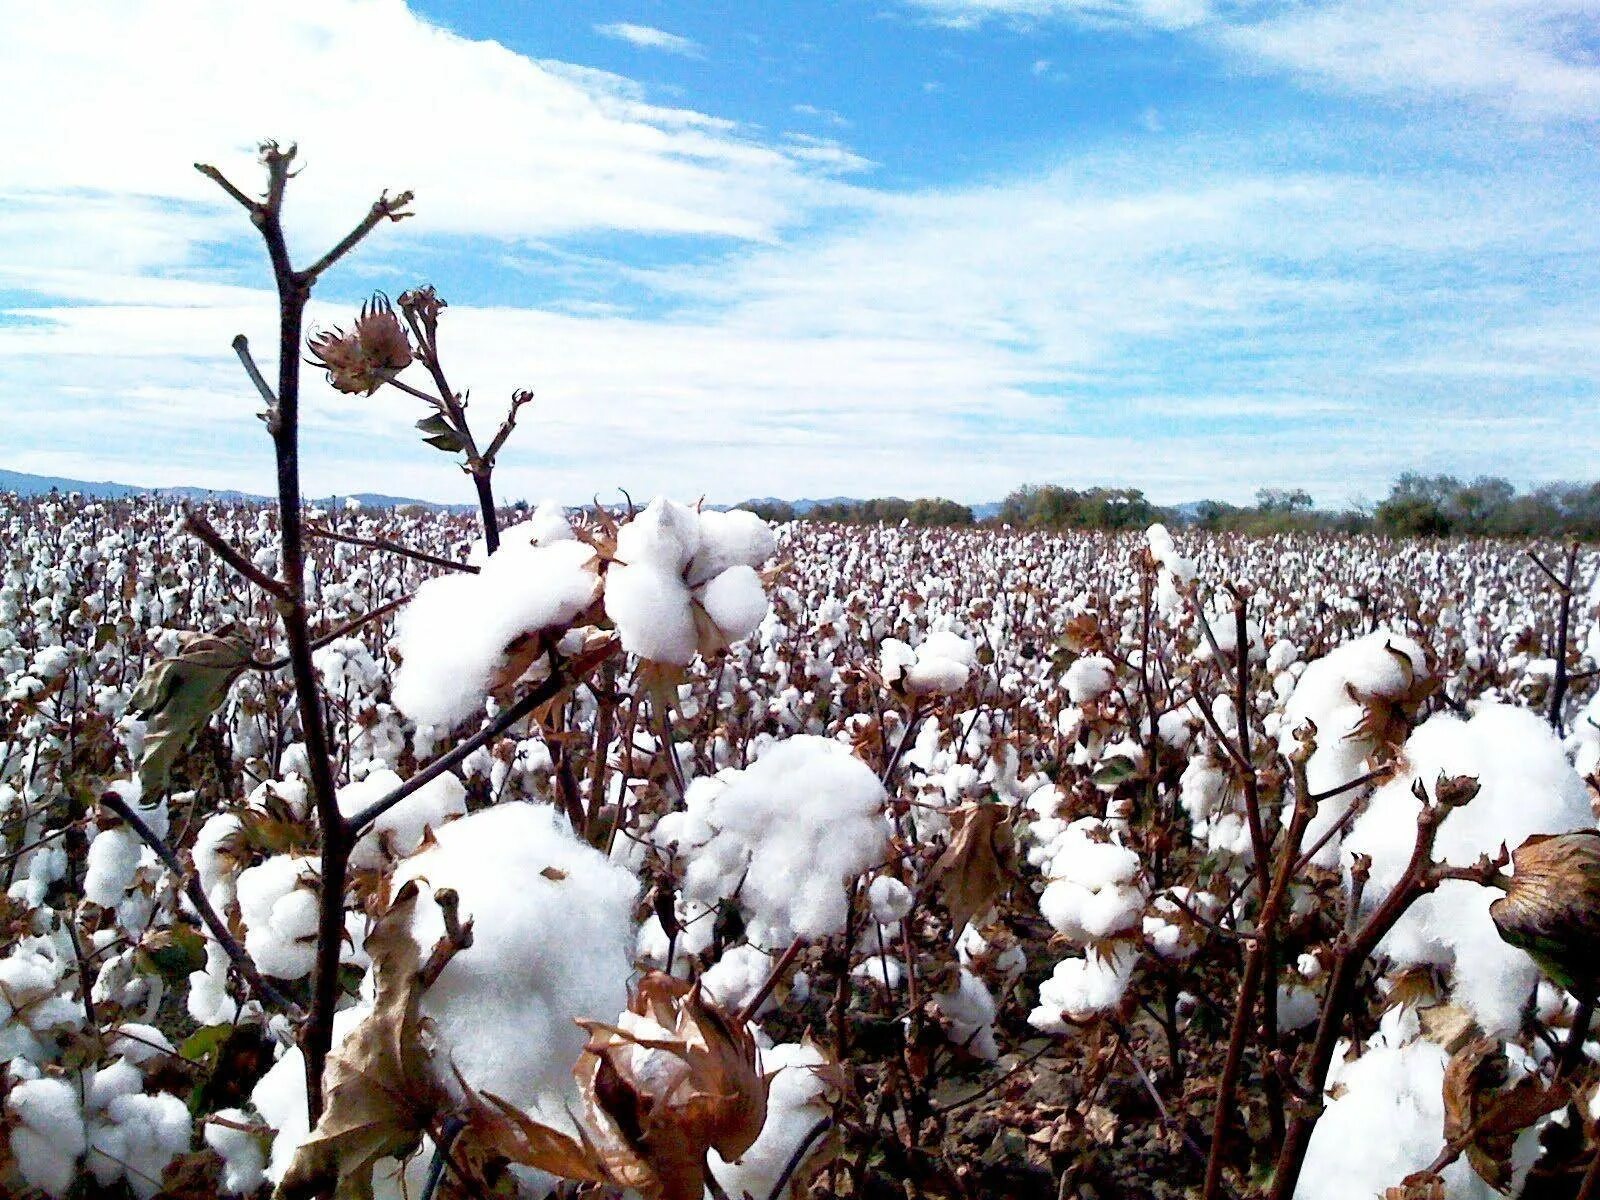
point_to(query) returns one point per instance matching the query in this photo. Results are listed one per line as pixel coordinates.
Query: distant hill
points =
(40, 485)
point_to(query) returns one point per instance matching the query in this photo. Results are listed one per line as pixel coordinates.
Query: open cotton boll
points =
(280, 1095)
(1526, 786)
(730, 539)
(49, 1134)
(735, 601)
(453, 635)
(894, 659)
(969, 1008)
(798, 1097)
(244, 1163)
(733, 980)
(1354, 695)
(944, 663)
(653, 611)
(150, 1131)
(890, 899)
(1081, 989)
(1089, 678)
(788, 834)
(278, 904)
(399, 831)
(665, 536)
(113, 861)
(552, 941)
(1390, 1105)
(1096, 886)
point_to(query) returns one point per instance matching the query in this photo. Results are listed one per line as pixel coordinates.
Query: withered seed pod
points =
(1552, 907)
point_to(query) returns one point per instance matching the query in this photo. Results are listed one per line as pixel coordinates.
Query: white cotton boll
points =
(49, 1134)
(453, 635)
(890, 899)
(244, 1161)
(1525, 787)
(552, 941)
(894, 659)
(665, 536)
(798, 1097)
(1096, 886)
(139, 1044)
(120, 1078)
(278, 904)
(880, 970)
(788, 834)
(1391, 1105)
(969, 1008)
(280, 1095)
(1335, 693)
(735, 601)
(1089, 678)
(733, 980)
(156, 1129)
(1298, 1007)
(1081, 989)
(549, 524)
(113, 861)
(729, 539)
(653, 611)
(400, 830)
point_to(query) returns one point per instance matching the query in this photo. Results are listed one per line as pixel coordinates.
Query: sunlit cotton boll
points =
(453, 636)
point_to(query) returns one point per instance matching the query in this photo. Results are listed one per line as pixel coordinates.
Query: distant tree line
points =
(1417, 505)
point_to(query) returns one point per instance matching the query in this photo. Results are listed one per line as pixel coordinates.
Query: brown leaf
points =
(380, 1093)
(1481, 1110)
(979, 864)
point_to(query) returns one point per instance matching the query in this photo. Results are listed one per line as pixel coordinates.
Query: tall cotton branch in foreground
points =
(454, 634)
(787, 836)
(685, 582)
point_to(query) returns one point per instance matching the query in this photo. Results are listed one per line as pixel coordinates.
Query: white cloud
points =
(125, 94)
(1531, 57)
(650, 38)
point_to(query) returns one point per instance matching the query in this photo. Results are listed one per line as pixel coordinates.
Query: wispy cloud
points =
(648, 37)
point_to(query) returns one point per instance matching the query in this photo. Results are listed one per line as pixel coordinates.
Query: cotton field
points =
(686, 855)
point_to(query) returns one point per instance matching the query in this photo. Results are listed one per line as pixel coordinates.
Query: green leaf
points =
(440, 434)
(1116, 770)
(204, 1042)
(173, 953)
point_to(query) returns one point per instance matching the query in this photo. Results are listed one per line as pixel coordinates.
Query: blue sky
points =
(912, 246)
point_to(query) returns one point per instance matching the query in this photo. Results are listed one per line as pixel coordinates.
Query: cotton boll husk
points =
(735, 601)
(797, 1098)
(651, 609)
(545, 950)
(49, 1134)
(1525, 787)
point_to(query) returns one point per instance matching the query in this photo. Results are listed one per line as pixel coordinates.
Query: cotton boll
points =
(1525, 787)
(970, 1010)
(1096, 886)
(730, 539)
(113, 861)
(798, 1097)
(399, 831)
(1082, 989)
(788, 834)
(880, 970)
(49, 1134)
(733, 980)
(278, 904)
(155, 1129)
(735, 601)
(552, 941)
(1089, 678)
(895, 658)
(890, 899)
(140, 1044)
(652, 610)
(244, 1161)
(664, 537)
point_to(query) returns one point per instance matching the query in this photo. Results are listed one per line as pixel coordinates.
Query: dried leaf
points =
(178, 695)
(979, 864)
(380, 1093)
(1482, 1111)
